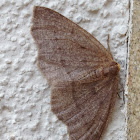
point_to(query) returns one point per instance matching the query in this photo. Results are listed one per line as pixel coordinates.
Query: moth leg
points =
(122, 90)
(119, 95)
(109, 50)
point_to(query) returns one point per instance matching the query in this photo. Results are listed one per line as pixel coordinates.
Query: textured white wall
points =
(24, 94)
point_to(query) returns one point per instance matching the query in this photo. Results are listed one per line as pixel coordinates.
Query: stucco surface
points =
(24, 93)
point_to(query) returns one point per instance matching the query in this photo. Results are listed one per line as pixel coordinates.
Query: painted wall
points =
(24, 93)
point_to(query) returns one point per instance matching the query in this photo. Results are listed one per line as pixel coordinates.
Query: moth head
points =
(116, 64)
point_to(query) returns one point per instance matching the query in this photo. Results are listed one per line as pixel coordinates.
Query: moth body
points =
(113, 69)
(110, 70)
(82, 74)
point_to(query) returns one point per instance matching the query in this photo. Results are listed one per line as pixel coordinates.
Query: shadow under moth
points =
(81, 73)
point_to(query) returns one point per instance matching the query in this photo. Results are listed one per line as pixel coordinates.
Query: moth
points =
(81, 73)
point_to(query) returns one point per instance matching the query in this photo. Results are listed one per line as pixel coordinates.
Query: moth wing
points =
(65, 49)
(67, 56)
(84, 108)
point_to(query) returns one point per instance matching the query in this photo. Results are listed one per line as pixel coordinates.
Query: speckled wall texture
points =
(24, 93)
(134, 76)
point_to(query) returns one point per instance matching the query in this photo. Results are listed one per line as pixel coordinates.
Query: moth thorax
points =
(113, 69)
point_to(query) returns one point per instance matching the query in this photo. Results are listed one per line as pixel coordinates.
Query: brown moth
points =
(82, 74)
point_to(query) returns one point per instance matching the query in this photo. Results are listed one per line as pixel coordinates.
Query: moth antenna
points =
(109, 50)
